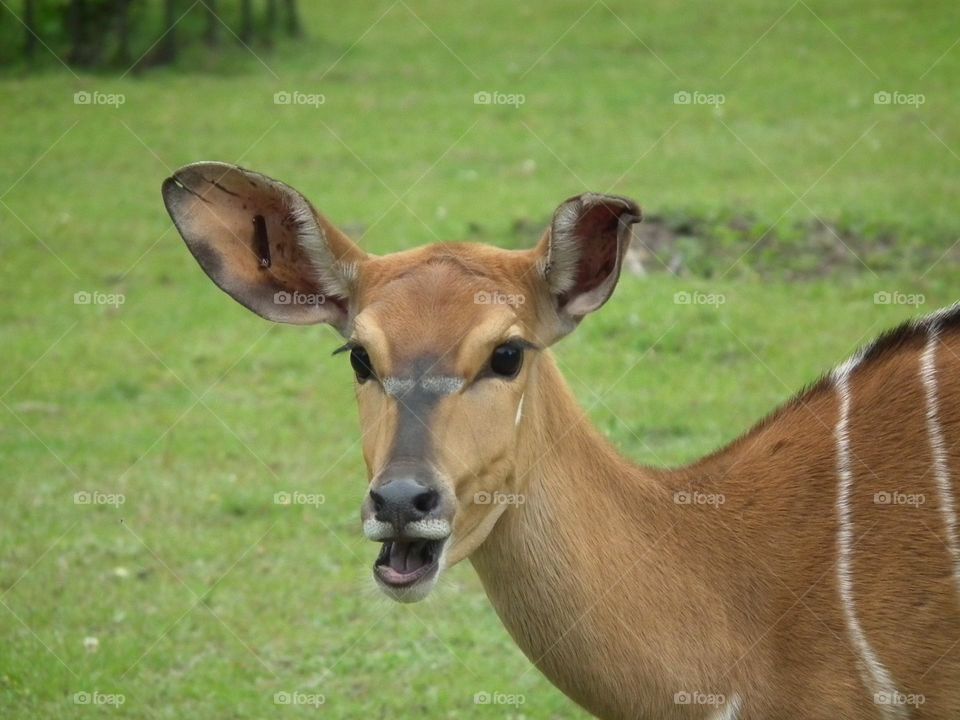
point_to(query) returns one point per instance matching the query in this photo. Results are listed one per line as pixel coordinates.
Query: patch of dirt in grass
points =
(742, 246)
(804, 251)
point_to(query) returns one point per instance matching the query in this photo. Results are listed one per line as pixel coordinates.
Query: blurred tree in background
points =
(115, 33)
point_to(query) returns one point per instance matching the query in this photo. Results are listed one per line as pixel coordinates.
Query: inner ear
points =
(263, 243)
(598, 247)
(583, 251)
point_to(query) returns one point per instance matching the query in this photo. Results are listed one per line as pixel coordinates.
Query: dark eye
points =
(361, 363)
(507, 360)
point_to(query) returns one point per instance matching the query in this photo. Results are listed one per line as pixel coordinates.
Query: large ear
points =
(263, 244)
(582, 251)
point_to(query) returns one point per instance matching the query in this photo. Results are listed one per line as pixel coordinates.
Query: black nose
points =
(403, 500)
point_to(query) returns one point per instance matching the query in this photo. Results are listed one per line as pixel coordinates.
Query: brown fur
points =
(618, 593)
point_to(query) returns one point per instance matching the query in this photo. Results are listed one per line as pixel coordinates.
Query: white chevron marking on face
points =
(432, 384)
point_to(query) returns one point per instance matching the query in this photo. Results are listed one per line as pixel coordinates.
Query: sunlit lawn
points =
(206, 598)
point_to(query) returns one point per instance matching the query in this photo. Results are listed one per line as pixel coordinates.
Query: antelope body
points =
(825, 585)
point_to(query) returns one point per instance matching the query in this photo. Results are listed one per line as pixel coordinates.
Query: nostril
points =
(426, 501)
(403, 500)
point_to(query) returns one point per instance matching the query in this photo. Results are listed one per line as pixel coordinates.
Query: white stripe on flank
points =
(875, 676)
(730, 711)
(848, 366)
(938, 447)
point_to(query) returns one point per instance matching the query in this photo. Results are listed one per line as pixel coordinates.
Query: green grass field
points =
(206, 598)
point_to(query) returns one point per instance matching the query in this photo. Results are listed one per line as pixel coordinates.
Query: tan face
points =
(444, 357)
(443, 341)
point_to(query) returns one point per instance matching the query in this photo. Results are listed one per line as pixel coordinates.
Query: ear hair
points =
(581, 254)
(338, 276)
(559, 265)
(564, 246)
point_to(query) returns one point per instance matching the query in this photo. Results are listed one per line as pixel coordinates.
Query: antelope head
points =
(443, 340)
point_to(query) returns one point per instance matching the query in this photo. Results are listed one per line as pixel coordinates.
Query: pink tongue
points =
(405, 557)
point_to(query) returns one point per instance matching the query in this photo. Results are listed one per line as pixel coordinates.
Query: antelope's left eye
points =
(507, 359)
(360, 361)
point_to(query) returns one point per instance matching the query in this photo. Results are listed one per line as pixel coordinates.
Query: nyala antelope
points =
(824, 586)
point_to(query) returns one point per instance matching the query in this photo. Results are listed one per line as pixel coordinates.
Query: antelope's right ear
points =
(581, 254)
(263, 244)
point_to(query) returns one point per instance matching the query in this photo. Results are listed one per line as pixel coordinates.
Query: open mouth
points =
(404, 563)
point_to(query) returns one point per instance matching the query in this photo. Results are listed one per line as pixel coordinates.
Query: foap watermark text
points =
(686, 297)
(485, 697)
(95, 497)
(295, 497)
(98, 698)
(695, 497)
(899, 498)
(86, 297)
(483, 97)
(299, 698)
(95, 97)
(695, 97)
(498, 498)
(498, 298)
(895, 297)
(895, 97)
(298, 298)
(295, 97)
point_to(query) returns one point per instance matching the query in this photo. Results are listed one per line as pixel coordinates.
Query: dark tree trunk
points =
(168, 46)
(89, 22)
(246, 21)
(122, 12)
(211, 35)
(75, 15)
(270, 19)
(294, 28)
(30, 23)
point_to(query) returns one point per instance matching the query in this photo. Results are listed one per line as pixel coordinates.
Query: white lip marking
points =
(433, 384)
(432, 529)
(375, 529)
